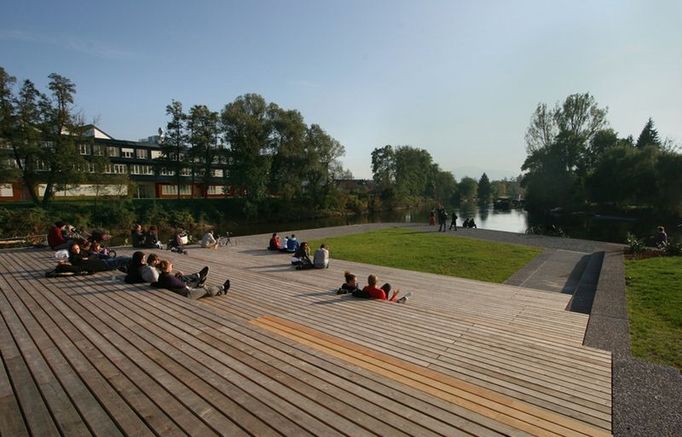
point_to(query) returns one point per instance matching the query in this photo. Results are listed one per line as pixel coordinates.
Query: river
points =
(592, 227)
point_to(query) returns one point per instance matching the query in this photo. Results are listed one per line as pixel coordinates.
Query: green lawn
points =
(654, 295)
(430, 252)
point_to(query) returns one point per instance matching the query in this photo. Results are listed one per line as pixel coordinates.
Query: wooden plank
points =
(508, 409)
(329, 371)
(35, 412)
(11, 416)
(160, 415)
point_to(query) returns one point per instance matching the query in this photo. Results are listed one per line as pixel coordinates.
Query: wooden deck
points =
(281, 354)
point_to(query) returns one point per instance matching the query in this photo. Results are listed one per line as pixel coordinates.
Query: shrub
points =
(635, 245)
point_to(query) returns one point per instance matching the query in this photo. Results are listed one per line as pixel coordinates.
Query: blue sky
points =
(459, 79)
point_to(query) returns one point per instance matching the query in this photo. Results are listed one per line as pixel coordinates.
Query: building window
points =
(218, 173)
(214, 190)
(97, 151)
(6, 190)
(127, 153)
(172, 190)
(83, 149)
(167, 172)
(119, 169)
(113, 151)
(186, 172)
(156, 154)
(141, 153)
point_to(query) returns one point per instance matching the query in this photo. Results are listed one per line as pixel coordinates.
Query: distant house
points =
(140, 164)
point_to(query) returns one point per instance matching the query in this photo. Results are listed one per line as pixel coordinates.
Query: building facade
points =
(132, 169)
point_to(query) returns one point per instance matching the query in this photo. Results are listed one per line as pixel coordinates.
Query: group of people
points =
(441, 215)
(290, 244)
(83, 258)
(159, 273)
(300, 252)
(148, 239)
(371, 290)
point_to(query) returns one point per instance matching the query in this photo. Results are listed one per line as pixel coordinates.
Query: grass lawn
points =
(432, 252)
(654, 293)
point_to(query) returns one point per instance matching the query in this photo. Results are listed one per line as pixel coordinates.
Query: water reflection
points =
(591, 227)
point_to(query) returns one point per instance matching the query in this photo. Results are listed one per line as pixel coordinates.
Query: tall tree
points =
(557, 168)
(648, 136)
(174, 143)
(484, 189)
(7, 126)
(383, 167)
(204, 152)
(290, 165)
(322, 162)
(246, 130)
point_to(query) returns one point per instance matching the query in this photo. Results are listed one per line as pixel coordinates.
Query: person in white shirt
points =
(321, 258)
(208, 241)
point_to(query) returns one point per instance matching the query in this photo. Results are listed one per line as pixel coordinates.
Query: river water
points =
(590, 227)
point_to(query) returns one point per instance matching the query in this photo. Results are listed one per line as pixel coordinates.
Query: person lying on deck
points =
(149, 272)
(92, 263)
(170, 281)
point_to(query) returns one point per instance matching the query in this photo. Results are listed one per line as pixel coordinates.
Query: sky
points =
(459, 79)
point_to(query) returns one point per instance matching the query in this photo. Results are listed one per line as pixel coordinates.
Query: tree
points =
(648, 136)
(467, 188)
(204, 152)
(445, 187)
(290, 163)
(247, 131)
(559, 154)
(7, 123)
(174, 143)
(322, 153)
(484, 189)
(383, 167)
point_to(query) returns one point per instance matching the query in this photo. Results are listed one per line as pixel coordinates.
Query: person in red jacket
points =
(55, 236)
(374, 292)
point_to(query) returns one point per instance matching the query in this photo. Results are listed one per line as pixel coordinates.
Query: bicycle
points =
(224, 240)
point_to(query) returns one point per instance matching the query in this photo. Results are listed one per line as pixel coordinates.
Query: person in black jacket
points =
(93, 264)
(169, 281)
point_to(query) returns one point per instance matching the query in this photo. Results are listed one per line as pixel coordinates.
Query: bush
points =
(635, 245)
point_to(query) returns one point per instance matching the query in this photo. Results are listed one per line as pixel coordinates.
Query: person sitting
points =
(92, 264)
(301, 258)
(56, 236)
(292, 244)
(465, 223)
(208, 241)
(275, 243)
(137, 236)
(172, 282)
(350, 286)
(321, 258)
(134, 274)
(97, 250)
(374, 292)
(661, 238)
(472, 223)
(177, 244)
(151, 238)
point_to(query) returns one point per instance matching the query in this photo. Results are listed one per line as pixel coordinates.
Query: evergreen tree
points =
(648, 136)
(484, 189)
